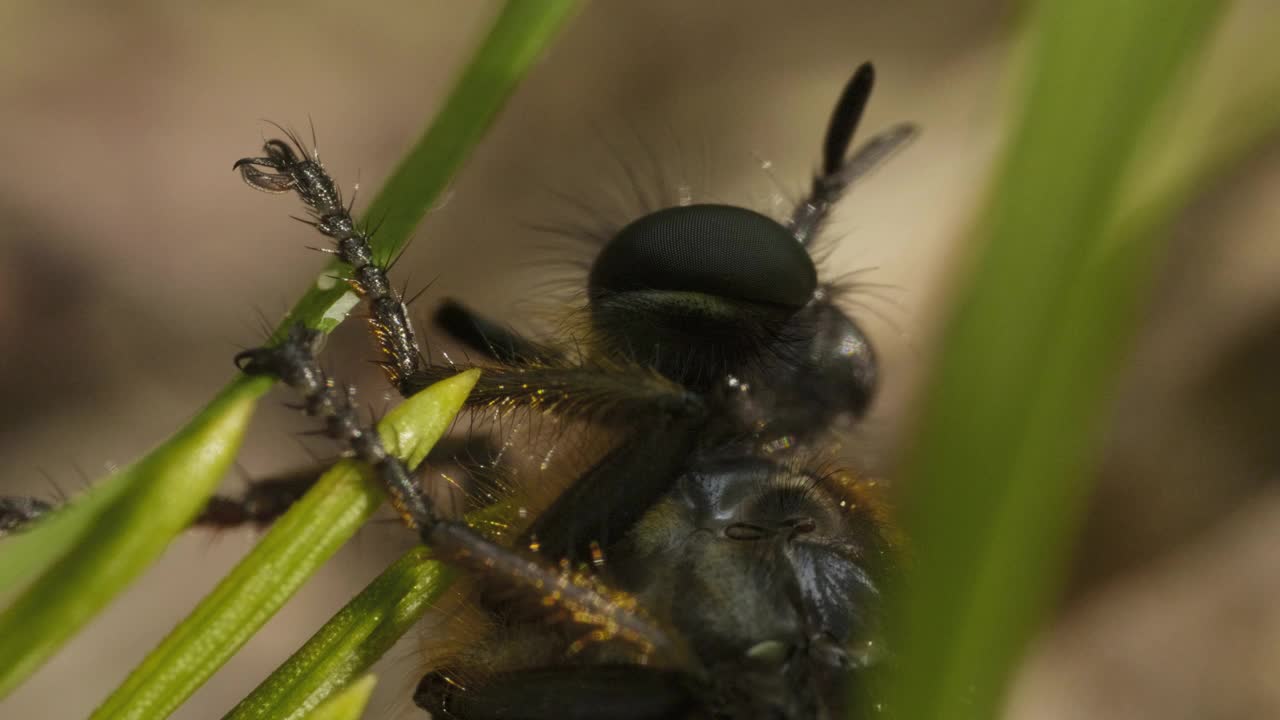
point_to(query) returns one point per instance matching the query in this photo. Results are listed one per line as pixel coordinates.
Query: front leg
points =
(572, 596)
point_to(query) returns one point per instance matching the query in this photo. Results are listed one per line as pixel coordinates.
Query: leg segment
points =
(303, 173)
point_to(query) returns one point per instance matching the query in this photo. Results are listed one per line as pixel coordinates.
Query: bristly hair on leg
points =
(290, 167)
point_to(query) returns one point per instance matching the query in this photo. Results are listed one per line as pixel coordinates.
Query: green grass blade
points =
(313, 529)
(145, 507)
(360, 633)
(349, 704)
(998, 471)
(349, 644)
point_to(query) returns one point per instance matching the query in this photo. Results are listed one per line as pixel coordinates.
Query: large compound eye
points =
(718, 250)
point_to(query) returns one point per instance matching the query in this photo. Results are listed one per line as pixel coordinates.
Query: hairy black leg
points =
(603, 504)
(837, 173)
(302, 172)
(489, 338)
(266, 499)
(578, 598)
(618, 692)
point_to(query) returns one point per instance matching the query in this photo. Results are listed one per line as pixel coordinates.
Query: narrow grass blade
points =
(361, 632)
(347, 705)
(313, 529)
(121, 532)
(351, 641)
(998, 471)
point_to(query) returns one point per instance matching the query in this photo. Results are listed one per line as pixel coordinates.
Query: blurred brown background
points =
(132, 260)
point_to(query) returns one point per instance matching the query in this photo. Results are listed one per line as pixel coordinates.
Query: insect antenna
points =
(839, 173)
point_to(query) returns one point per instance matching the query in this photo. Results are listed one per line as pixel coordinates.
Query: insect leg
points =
(302, 172)
(578, 597)
(620, 692)
(261, 504)
(837, 172)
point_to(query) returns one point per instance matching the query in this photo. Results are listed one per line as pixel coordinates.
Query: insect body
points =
(709, 564)
(742, 575)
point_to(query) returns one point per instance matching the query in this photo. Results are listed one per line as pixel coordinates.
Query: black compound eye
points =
(718, 250)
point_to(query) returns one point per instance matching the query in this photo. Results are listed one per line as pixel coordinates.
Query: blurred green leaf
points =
(999, 468)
